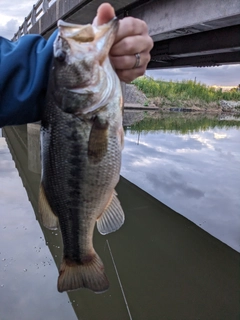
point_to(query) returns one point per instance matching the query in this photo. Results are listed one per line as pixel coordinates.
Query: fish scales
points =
(81, 144)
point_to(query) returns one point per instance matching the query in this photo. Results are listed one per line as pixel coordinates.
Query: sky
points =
(13, 12)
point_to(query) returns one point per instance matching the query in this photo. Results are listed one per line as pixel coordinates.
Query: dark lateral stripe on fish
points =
(71, 248)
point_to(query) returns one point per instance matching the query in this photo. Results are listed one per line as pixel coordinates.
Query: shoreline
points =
(211, 109)
(135, 99)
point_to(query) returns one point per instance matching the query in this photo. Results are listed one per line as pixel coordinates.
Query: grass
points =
(184, 90)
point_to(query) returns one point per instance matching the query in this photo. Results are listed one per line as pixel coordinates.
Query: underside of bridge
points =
(192, 33)
(205, 49)
(185, 32)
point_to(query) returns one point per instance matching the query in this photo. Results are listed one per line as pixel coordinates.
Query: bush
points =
(184, 90)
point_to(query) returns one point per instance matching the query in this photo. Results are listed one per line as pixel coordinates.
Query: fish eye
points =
(60, 55)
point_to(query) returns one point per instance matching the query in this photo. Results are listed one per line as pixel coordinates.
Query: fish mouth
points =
(87, 57)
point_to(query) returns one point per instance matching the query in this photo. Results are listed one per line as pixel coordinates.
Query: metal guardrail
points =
(37, 11)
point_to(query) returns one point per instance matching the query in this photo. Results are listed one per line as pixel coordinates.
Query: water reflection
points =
(168, 267)
(33, 144)
(26, 266)
(23, 154)
(195, 173)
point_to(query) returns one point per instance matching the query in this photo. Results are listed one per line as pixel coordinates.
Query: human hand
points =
(132, 38)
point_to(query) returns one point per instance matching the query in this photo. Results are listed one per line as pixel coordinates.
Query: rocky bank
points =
(135, 97)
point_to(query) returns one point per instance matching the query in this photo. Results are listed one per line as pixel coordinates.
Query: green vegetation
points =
(179, 123)
(184, 90)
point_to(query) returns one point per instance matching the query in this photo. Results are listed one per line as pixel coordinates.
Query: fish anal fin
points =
(98, 140)
(89, 274)
(113, 216)
(47, 217)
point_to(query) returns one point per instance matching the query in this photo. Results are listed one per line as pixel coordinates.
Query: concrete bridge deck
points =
(185, 33)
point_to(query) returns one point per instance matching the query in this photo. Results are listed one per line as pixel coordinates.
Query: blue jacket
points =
(24, 72)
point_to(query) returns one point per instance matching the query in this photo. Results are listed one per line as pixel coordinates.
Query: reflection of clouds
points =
(27, 262)
(148, 145)
(203, 141)
(219, 136)
(142, 162)
(174, 186)
(159, 146)
(195, 174)
(187, 150)
(6, 166)
(228, 156)
(24, 257)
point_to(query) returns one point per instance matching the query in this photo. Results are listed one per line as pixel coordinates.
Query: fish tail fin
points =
(89, 274)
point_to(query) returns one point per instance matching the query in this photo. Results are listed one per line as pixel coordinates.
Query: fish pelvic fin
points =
(113, 216)
(47, 217)
(89, 274)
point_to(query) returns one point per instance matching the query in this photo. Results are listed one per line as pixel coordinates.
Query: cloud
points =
(227, 75)
(16, 9)
(9, 28)
(12, 14)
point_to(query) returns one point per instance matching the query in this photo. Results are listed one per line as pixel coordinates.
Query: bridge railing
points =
(37, 11)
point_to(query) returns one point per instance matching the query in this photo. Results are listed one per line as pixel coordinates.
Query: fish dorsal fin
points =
(113, 216)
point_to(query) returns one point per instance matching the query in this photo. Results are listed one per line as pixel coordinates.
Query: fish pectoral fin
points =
(88, 275)
(98, 140)
(47, 217)
(112, 218)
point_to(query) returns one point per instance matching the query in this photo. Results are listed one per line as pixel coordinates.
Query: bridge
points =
(186, 33)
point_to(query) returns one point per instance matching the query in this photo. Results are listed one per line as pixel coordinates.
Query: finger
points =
(130, 26)
(131, 45)
(105, 13)
(128, 61)
(129, 75)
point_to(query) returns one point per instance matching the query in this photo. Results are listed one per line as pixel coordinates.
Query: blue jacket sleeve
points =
(24, 72)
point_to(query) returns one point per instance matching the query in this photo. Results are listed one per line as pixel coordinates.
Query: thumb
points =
(105, 13)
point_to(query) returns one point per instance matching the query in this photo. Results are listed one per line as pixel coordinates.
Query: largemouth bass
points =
(81, 144)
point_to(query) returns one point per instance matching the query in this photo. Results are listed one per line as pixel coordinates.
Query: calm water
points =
(195, 173)
(160, 265)
(25, 262)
